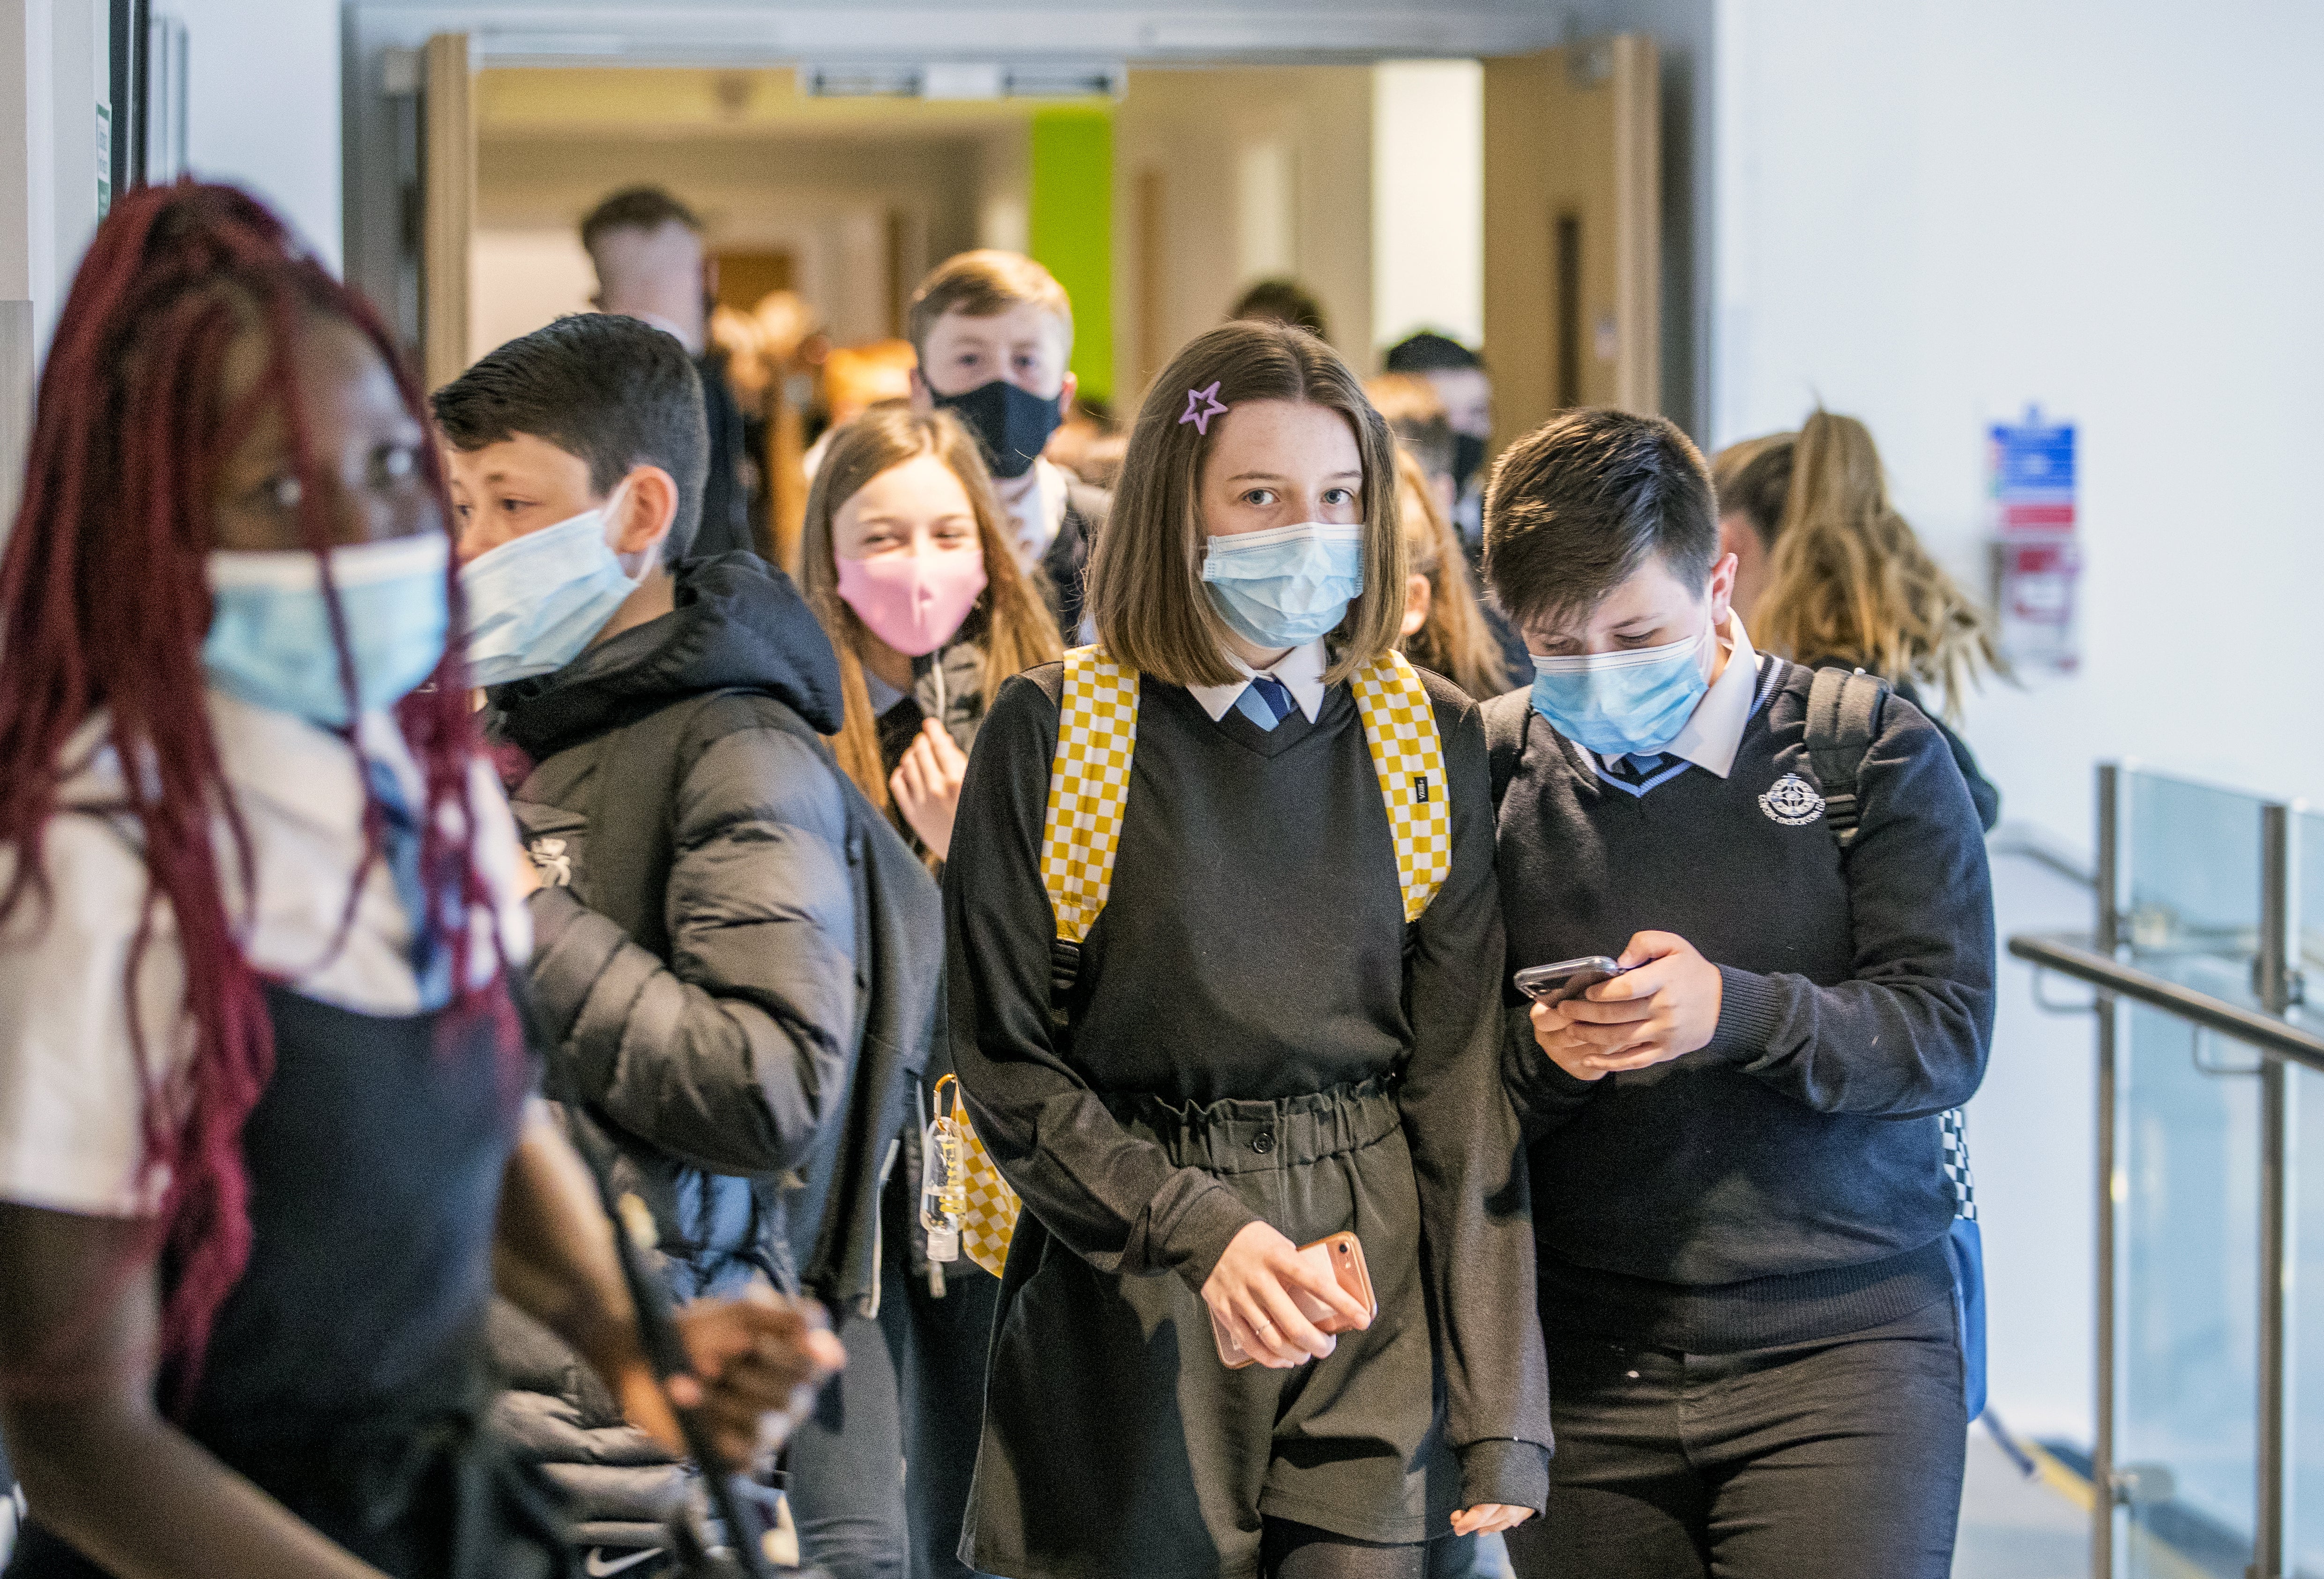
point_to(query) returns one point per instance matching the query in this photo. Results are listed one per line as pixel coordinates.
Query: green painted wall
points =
(1071, 227)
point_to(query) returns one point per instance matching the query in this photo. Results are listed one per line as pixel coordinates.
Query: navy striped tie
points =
(1266, 702)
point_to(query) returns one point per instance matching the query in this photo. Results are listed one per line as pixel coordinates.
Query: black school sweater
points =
(1785, 1182)
(1254, 946)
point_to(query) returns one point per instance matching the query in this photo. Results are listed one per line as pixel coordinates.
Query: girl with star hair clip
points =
(1225, 953)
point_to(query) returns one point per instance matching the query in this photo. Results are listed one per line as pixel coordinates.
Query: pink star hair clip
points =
(1202, 405)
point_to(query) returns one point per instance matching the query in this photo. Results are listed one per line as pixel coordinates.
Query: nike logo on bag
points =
(596, 1565)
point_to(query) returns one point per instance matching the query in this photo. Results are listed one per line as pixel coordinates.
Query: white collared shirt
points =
(71, 1093)
(1039, 513)
(1714, 731)
(1301, 670)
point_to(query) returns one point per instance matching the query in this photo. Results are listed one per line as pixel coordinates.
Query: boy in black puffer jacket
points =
(699, 976)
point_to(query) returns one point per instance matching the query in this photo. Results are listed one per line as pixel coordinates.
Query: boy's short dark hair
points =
(1577, 505)
(615, 392)
(635, 209)
(1430, 352)
(1285, 301)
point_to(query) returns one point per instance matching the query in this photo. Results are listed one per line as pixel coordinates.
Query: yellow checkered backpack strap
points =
(1089, 785)
(1400, 726)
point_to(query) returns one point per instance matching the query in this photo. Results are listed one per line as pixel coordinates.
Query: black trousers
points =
(1837, 1458)
(939, 1344)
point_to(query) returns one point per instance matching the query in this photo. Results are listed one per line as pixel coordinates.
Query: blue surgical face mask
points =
(270, 643)
(1617, 704)
(1287, 585)
(536, 602)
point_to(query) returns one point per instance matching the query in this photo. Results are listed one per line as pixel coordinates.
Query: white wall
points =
(1428, 199)
(262, 105)
(53, 69)
(1928, 215)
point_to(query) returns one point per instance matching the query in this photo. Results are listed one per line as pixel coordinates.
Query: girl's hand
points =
(926, 785)
(1490, 1519)
(1663, 1009)
(1249, 1291)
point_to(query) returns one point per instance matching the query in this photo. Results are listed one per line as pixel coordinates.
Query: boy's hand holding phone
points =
(1662, 1006)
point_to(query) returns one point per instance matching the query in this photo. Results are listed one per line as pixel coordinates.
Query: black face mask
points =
(1013, 424)
(1468, 454)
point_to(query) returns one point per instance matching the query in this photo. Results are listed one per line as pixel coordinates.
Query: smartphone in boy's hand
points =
(1666, 1006)
(1568, 978)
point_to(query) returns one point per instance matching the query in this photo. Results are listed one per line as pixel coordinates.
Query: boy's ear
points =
(648, 510)
(1722, 590)
(922, 398)
(1066, 396)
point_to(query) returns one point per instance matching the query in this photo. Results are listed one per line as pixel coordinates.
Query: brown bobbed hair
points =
(1011, 621)
(1145, 587)
(1848, 581)
(1454, 640)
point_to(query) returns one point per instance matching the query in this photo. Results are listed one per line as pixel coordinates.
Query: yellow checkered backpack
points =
(1089, 787)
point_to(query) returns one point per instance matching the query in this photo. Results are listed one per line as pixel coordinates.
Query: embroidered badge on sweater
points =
(1793, 802)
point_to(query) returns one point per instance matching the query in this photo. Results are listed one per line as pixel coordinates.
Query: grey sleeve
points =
(726, 1056)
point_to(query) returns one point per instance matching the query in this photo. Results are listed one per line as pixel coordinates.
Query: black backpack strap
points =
(1844, 709)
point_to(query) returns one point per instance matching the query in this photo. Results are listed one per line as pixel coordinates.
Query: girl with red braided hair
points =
(265, 1149)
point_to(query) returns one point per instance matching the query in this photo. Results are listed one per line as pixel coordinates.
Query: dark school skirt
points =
(1116, 1444)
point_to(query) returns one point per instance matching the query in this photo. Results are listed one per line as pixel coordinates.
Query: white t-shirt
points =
(71, 1091)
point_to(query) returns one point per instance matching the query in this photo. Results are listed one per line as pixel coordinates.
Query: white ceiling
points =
(765, 31)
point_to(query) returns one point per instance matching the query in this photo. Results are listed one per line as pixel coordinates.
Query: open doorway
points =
(1514, 200)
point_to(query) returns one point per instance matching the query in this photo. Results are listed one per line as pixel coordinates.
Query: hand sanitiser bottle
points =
(943, 1175)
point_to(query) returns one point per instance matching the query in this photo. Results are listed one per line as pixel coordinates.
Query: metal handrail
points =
(2268, 1029)
(2072, 955)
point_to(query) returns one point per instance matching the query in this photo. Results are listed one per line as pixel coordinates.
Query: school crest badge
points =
(1793, 802)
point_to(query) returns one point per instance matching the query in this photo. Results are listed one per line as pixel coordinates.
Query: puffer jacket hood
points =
(738, 623)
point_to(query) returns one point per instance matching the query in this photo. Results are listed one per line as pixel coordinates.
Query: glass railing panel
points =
(2184, 1441)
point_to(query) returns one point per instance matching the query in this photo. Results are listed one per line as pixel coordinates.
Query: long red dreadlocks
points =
(105, 605)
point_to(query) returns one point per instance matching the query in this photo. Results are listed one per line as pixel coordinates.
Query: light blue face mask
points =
(1617, 704)
(536, 602)
(270, 643)
(1287, 585)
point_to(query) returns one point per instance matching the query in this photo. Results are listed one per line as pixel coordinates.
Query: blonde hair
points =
(1145, 585)
(984, 283)
(1454, 640)
(1848, 580)
(1009, 618)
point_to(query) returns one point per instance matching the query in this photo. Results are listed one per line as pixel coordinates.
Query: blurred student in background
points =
(994, 331)
(1827, 572)
(1444, 627)
(907, 558)
(647, 248)
(1415, 414)
(1459, 376)
(1282, 300)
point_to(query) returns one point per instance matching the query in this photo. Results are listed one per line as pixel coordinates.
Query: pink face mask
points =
(914, 601)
